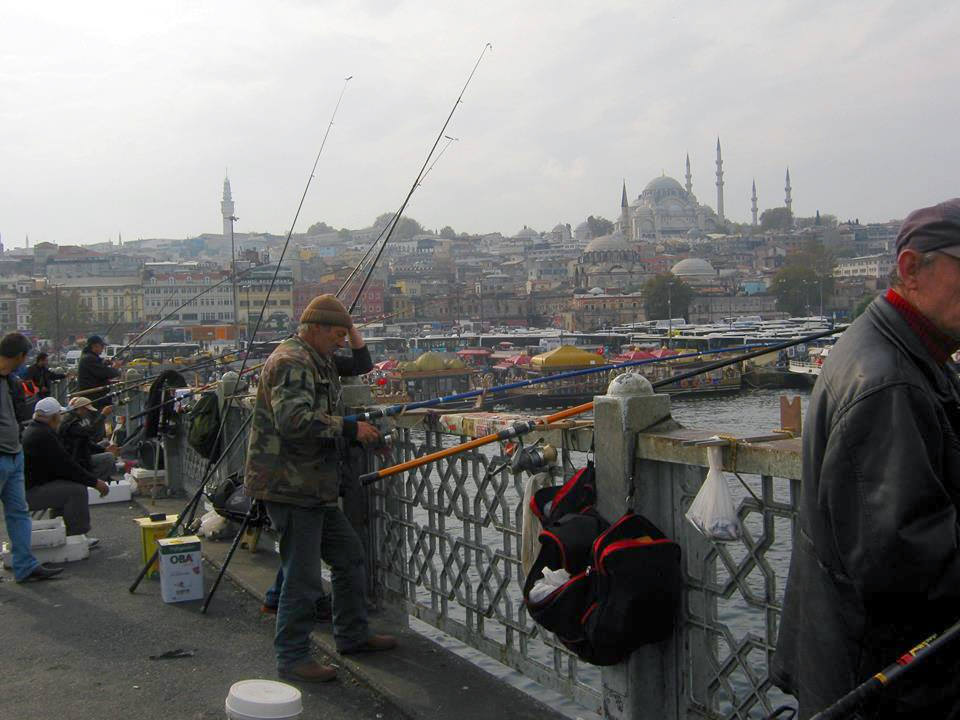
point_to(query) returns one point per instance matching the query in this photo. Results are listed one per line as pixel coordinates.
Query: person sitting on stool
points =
(79, 432)
(54, 479)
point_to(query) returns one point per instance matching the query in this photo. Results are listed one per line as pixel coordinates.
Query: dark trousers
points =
(69, 499)
(306, 537)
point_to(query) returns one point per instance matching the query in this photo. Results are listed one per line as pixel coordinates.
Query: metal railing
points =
(448, 539)
(446, 543)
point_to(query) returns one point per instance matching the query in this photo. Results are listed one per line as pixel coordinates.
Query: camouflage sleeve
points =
(292, 399)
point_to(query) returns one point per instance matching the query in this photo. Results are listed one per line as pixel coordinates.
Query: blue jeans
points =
(272, 597)
(16, 514)
(307, 536)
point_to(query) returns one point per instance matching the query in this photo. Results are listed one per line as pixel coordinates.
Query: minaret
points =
(226, 207)
(689, 176)
(625, 212)
(719, 182)
(753, 205)
(788, 200)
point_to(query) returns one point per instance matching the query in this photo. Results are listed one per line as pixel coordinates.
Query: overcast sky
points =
(122, 117)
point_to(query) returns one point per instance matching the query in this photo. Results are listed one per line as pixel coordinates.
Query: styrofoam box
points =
(75, 548)
(48, 533)
(120, 491)
(139, 473)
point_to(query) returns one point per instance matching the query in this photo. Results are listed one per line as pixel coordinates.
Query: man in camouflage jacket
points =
(293, 462)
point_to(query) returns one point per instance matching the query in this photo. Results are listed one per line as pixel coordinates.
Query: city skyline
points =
(570, 102)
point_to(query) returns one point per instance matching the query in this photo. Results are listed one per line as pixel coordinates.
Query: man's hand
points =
(355, 338)
(367, 433)
(113, 449)
(107, 410)
(102, 488)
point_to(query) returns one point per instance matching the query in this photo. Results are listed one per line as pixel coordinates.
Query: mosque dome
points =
(664, 182)
(527, 232)
(693, 267)
(615, 241)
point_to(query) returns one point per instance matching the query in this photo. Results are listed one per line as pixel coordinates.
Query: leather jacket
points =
(875, 567)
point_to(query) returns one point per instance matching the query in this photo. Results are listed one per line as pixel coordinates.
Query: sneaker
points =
(374, 643)
(92, 542)
(268, 609)
(41, 572)
(310, 671)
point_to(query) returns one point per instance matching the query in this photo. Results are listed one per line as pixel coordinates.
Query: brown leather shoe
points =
(374, 643)
(310, 671)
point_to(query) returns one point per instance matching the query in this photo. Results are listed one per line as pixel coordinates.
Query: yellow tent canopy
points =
(567, 356)
(430, 361)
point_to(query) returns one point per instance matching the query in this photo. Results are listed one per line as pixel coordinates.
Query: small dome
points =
(527, 232)
(693, 267)
(664, 182)
(609, 243)
(595, 291)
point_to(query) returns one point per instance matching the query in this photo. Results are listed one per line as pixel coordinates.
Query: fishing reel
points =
(536, 458)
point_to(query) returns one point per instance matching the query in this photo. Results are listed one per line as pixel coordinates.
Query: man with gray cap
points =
(81, 431)
(54, 479)
(875, 568)
(293, 459)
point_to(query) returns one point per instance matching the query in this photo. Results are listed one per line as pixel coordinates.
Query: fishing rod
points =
(905, 665)
(211, 466)
(417, 180)
(390, 223)
(526, 426)
(401, 408)
(184, 304)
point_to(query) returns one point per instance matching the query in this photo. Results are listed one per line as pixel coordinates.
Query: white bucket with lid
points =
(263, 700)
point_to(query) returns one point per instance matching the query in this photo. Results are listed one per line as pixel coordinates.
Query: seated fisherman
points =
(54, 479)
(81, 433)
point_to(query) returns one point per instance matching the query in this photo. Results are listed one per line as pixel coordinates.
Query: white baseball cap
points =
(48, 407)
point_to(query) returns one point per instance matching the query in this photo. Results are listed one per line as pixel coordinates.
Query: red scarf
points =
(940, 346)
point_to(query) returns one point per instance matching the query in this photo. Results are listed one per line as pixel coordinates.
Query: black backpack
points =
(204, 431)
(625, 580)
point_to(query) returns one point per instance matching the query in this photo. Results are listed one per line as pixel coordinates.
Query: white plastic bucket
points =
(263, 700)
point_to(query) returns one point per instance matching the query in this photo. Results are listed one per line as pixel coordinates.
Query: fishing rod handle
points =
(508, 433)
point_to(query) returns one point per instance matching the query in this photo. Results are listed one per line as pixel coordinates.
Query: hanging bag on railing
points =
(637, 585)
(577, 494)
(712, 511)
(624, 583)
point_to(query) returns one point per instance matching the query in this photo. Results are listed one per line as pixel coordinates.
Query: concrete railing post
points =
(228, 386)
(135, 402)
(649, 684)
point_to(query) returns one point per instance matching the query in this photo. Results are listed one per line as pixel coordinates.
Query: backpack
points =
(625, 582)
(205, 425)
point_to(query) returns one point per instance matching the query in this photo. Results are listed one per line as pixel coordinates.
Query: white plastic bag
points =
(712, 511)
(551, 580)
(530, 534)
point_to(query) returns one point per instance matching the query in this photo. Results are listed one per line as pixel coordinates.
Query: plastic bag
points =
(712, 511)
(551, 580)
(529, 542)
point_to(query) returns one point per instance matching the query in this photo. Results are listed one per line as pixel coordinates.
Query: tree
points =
(406, 227)
(599, 226)
(862, 305)
(665, 295)
(74, 317)
(319, 228)
(344, 234)
(448, 233)
(779, 218)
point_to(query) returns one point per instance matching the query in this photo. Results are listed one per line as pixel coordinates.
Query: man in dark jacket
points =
(81, 433)
(54, 479)
(41, 375)
(93, 372)
(876, 555)
(13, 352)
